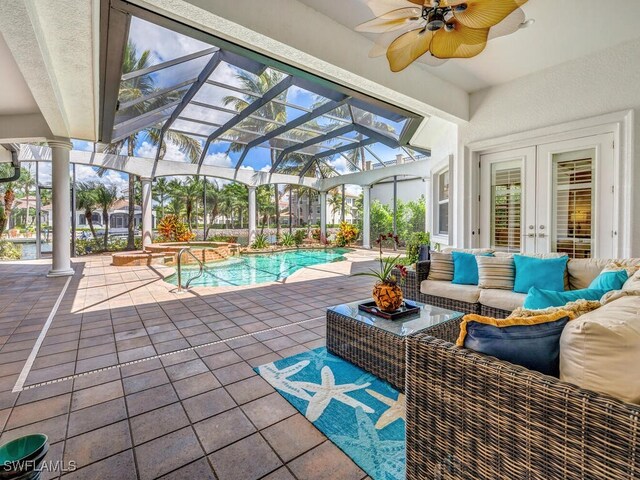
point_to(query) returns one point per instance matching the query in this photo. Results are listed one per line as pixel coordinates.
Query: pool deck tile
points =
(205, 405)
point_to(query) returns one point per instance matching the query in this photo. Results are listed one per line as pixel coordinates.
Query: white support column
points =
(366, 213)
(252, 214)
(147, 212)
(61, 203)
(323, 215)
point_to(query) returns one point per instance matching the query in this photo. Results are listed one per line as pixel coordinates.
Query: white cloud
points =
(174, 154)
(354, 190)
(85, 174)
(163, 44)
(219, 159)
(146, 150)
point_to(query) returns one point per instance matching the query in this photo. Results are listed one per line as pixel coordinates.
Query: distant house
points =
(118, 217)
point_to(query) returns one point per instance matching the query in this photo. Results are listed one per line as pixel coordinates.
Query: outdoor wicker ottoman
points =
(378, 345)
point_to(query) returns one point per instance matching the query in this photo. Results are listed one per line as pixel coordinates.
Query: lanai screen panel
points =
(209, 105)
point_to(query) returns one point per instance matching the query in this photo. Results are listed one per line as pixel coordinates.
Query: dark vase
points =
(424, 253)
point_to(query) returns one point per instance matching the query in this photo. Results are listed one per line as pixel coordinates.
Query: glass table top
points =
(428, 317)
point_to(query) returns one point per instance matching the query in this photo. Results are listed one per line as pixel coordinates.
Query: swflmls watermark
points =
(51, 466)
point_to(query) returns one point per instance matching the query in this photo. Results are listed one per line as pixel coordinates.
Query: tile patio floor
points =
(129, 408)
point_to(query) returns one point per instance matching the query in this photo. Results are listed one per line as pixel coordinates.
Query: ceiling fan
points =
(438, 29)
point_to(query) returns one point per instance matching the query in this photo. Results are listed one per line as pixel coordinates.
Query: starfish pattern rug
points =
(363, 415)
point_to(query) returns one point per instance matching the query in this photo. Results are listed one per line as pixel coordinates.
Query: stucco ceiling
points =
(15, 96)
(563, 31)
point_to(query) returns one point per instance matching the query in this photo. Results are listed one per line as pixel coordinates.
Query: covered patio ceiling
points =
(243, 110)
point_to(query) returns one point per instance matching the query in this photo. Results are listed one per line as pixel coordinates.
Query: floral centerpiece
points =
(387, 292)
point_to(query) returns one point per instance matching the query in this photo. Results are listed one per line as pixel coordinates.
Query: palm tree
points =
(213, 203)
(335, 203)
(274, 114)
(161, 193)
(188, 192)
(106, 197)
(176, 206)
(86, 199)
(135, 88)
(8, 198)
(26, 181)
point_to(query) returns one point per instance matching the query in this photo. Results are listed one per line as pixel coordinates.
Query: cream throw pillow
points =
(441, 267)
(600, 351)
(496, 272)
(632, 283)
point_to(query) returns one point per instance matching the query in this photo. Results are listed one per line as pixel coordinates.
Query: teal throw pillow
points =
(546, 273)
(465, 268)
(538, 299)
(612, 280)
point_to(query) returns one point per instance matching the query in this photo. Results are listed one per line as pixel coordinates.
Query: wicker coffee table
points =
(378, 345)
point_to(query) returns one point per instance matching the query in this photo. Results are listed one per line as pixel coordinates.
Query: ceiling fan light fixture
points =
(460, 7)
(435, 20)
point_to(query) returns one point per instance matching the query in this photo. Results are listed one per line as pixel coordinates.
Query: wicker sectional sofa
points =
(473, 417)
(492, 302)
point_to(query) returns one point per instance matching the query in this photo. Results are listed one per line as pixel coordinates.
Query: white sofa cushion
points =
(600, 351)
(440, 288)
(582, 271)
(502, 299)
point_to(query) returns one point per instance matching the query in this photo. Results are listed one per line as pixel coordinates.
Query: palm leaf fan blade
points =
(408, 47)
(380, 7)
(390, 21)
(459, 42)
(485, 13)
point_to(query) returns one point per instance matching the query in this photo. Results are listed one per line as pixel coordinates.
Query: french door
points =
(556, 197)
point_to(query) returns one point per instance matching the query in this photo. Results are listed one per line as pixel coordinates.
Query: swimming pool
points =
(259, 268)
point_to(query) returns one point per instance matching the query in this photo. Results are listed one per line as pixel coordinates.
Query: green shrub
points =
(10, 251)
(261, 241)
(287, 240)
(115, 244)
(413, 245)
(299, 237)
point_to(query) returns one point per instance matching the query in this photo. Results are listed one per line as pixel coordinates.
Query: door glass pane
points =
(506, 206)
(573, 203)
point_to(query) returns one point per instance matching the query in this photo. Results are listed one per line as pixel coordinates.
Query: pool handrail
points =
(179, 263)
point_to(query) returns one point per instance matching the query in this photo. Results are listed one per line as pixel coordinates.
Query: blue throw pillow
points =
(608, 281)
(532, 342)
(465, 268)
(538, 299)
(547, 273)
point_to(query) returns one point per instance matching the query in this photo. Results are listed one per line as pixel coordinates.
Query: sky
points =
(165, 45)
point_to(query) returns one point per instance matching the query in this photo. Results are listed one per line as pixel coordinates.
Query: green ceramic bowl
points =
(23, 449)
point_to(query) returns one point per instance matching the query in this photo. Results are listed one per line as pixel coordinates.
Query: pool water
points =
(259, 268)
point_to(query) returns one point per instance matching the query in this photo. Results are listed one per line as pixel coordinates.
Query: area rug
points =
(363, 415)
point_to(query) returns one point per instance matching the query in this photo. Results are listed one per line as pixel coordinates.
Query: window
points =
(442, 223)
(573, 205)
(506, 206)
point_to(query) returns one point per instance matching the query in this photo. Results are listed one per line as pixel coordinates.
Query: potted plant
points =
(387, 292)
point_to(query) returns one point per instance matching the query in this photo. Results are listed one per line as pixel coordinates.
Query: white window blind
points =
(506, 207)
(574, 207)
(443, 203)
